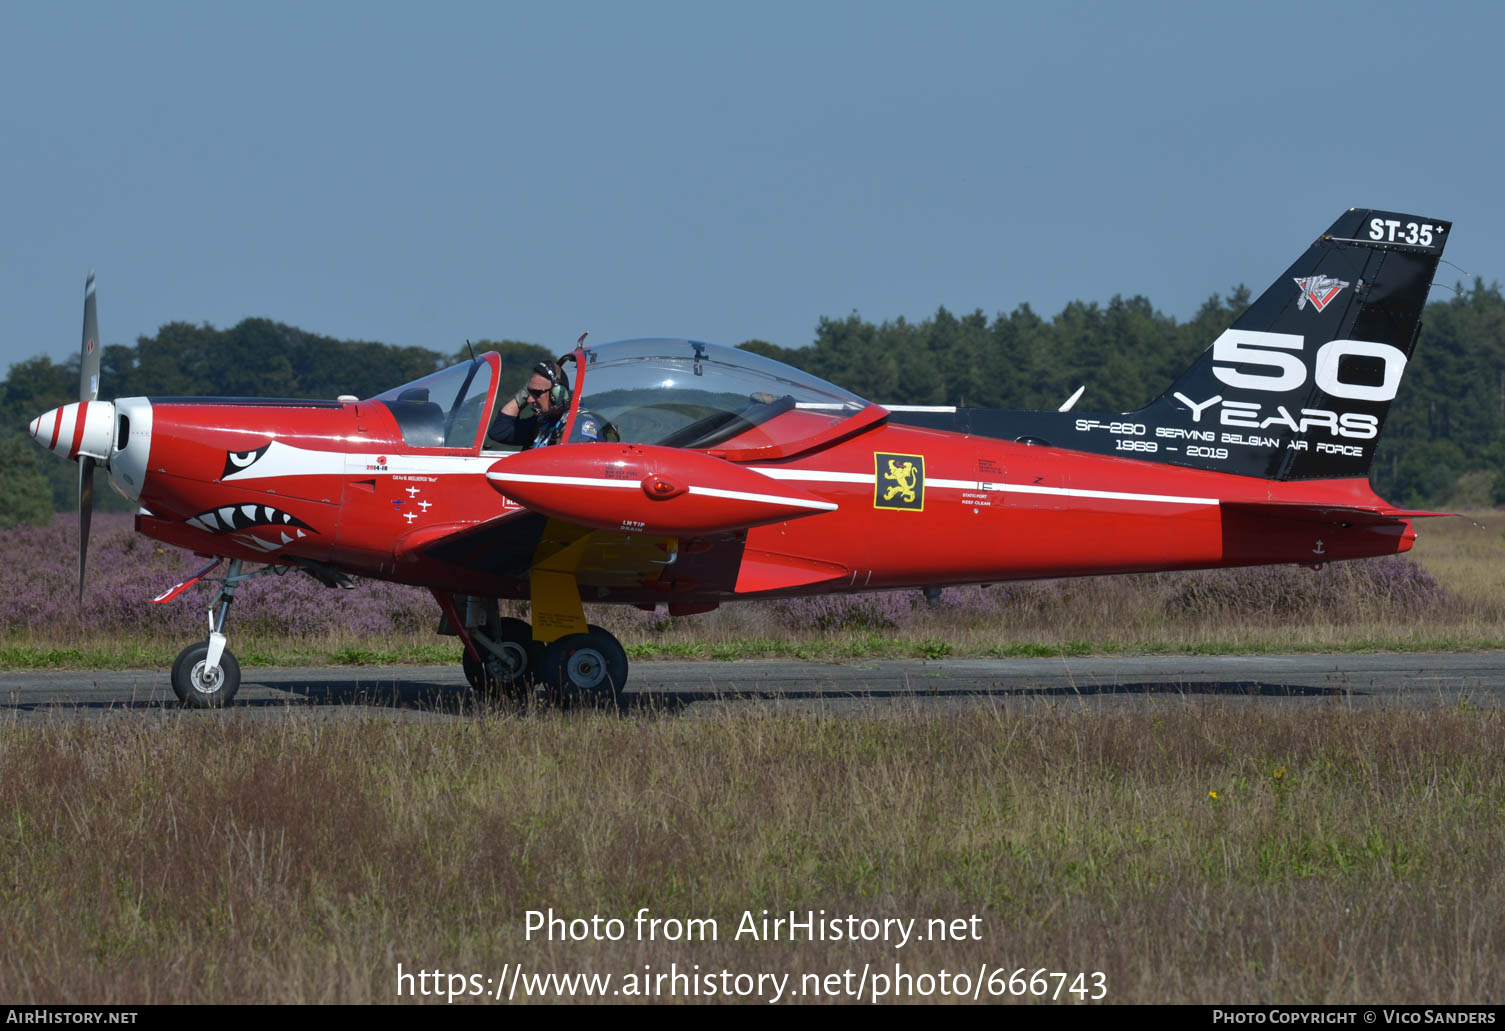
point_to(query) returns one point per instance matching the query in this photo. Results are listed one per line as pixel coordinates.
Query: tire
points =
(197, 691)
(516, 636)
(519, 665)
(589, 667)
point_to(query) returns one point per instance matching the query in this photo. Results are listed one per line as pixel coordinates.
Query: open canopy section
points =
(444, 409)
(683, 393)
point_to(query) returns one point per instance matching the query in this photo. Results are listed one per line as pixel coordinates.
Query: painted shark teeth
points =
(231, 518)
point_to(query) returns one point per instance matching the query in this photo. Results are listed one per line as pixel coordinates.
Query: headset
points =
(559, 393)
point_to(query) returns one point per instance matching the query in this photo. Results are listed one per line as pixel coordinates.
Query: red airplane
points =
(716, 475)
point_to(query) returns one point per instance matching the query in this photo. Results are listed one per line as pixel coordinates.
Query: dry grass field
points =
(1198, 855)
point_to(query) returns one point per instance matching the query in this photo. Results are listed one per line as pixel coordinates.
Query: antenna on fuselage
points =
(472, 349)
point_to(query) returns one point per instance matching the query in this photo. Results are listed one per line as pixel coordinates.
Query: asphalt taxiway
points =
(1409, 680)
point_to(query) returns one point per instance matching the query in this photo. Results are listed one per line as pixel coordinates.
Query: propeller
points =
(82, 430)
(88, 390)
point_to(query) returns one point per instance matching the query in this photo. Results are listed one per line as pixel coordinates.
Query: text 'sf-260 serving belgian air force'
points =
(722, 475)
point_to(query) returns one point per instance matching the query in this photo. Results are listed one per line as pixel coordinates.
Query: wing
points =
(499, 556)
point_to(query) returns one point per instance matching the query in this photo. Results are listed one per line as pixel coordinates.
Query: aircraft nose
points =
(81, 428)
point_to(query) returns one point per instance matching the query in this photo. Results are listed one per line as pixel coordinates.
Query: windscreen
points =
(444, 409)
(680, 393)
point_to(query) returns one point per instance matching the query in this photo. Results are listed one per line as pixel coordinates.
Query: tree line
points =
(1444, 442)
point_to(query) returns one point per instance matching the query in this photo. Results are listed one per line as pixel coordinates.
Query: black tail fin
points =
(1297, 388)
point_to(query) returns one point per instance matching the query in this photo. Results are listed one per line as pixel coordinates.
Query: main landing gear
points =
(590, 667)
(503, 661)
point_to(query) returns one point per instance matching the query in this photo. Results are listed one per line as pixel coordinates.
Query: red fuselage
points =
(334, 484)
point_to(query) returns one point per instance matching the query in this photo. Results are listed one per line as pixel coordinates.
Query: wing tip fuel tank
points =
(647, 489)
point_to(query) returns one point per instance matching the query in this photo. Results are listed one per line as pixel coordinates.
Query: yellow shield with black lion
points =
(900, 482)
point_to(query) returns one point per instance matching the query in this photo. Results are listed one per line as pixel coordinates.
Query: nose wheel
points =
(200, 685)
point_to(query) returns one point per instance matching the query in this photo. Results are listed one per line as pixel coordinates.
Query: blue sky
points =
(419, 174)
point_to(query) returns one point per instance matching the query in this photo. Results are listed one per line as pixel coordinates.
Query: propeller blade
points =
(88, 390)
(88, 365)
(85, 513)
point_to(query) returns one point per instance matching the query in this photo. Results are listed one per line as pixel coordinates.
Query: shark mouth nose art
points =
(267, 522)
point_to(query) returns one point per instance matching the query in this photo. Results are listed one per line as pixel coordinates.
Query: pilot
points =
(536, 414)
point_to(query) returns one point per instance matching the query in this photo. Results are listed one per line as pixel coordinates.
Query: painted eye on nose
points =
(239, 461)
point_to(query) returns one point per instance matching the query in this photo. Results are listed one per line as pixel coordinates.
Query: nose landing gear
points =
(206, 674)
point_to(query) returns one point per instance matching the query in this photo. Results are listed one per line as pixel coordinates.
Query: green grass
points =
(109, 655)
(104, 654)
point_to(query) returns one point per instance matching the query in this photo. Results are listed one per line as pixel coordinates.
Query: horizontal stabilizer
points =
(1317, 512)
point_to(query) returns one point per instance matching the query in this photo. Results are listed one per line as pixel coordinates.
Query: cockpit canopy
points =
(443, 409)
(675, 393)
(683, 393)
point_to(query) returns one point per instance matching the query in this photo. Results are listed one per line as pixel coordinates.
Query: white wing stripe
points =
(713, 492)
(569, 481)
(772, 499)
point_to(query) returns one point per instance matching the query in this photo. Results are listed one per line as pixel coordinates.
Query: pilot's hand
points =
(521, 397)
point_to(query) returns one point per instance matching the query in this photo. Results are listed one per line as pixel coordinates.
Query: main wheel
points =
(198, 688)
(509, 674)
(589, 667)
